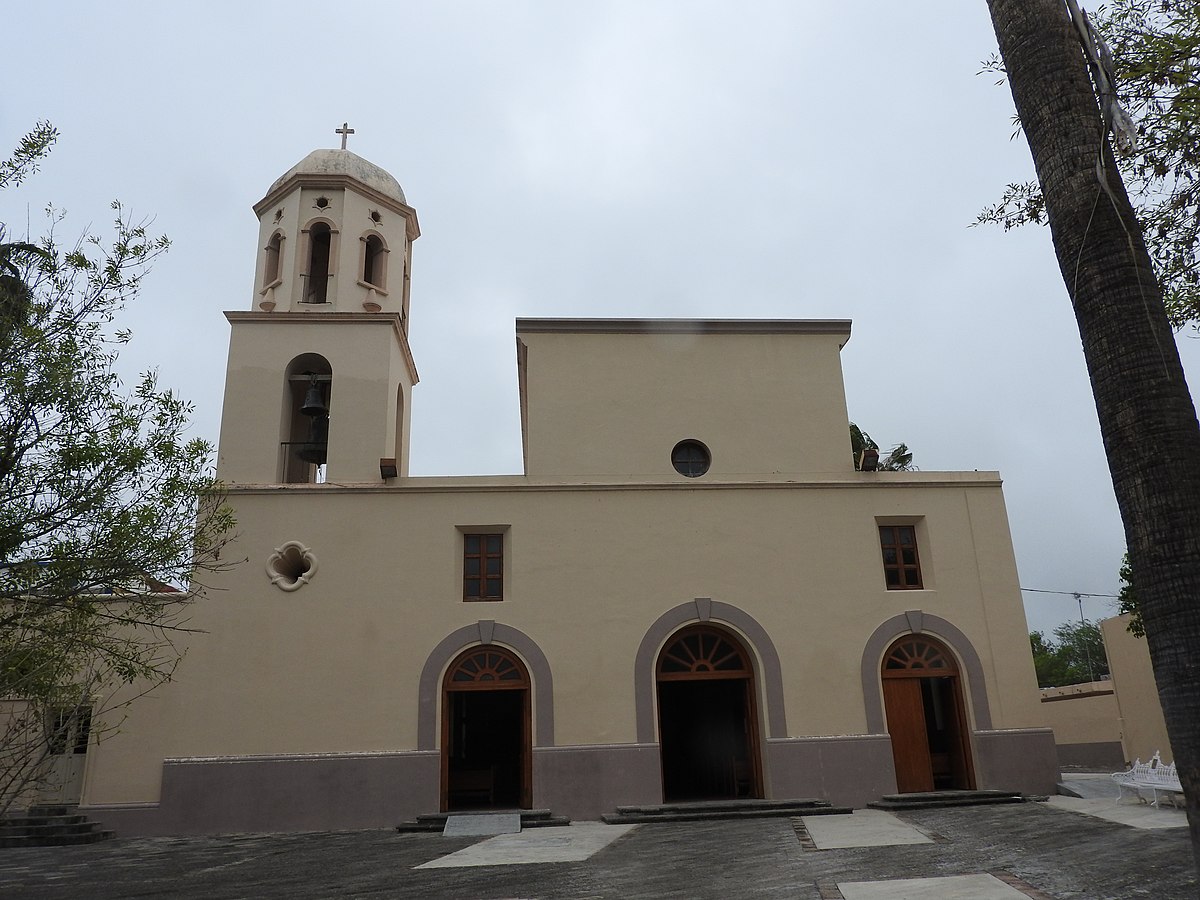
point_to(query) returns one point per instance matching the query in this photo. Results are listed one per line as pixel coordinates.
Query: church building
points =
(690, 594)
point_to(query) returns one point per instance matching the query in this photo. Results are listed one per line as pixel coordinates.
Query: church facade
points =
(690, 593)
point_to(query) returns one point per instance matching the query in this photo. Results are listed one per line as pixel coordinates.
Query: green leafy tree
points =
(108, 512)
(899, 459)
(1155, 46)
(1127, 600)
(16, 256)
(1145, 411)
(1046, 662)
(1074, 656)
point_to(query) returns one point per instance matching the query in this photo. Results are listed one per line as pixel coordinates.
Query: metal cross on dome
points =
(345, 131)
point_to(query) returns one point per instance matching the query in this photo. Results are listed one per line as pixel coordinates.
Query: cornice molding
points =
(684, 326)
(256, 317)
(341, 182)
(518, 484)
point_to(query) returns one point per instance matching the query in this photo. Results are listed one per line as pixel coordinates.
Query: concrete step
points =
(51, 810)
(50, 826)
(530, 818)
(719, 810)
(59, 840)
(720, 805)
(940, 799)
(30, 820)
(47, 829)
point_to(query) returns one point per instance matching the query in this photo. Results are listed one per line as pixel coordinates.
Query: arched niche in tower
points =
(308, 392)
(271, 265)
(320, 253)
(373, 266)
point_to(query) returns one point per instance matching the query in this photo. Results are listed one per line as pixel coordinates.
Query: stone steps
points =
(530, 818)
(942, 799)
(721, 810)
(50, 826)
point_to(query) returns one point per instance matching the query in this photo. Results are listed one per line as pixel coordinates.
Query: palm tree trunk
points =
(1147, 417)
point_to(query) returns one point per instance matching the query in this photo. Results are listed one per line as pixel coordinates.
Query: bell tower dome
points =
(320, 371)
(336, 235)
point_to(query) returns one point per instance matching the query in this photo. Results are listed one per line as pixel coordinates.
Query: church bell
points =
(314, 450)
(314, 402)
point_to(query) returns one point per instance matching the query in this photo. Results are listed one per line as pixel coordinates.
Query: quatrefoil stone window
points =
(291, 566)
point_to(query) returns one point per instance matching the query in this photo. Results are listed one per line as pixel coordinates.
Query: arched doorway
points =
(486, 739)
(707, 717)
(926, 718)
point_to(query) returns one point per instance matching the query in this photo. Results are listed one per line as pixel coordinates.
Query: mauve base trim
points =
(327, 792)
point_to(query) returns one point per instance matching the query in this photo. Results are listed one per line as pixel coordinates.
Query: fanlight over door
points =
(703, 652)
(487, 668)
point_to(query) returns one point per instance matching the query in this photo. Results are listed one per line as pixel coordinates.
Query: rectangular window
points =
(69, 730)
(901, 567)
(483, 566)
(83, 728)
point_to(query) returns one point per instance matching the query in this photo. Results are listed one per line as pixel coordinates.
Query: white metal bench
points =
(1153, 776)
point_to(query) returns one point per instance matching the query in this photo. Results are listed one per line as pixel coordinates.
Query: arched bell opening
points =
(374, 262)
(271, 263)
(926, 717)
(317, 272)
(487, 752)
(308, 392)
(707, 717)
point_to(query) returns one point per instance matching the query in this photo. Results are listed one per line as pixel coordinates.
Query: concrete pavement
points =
(1035, 849)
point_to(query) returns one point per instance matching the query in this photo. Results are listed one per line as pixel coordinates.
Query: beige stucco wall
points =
(1143, 729)
(335, 666)
(612, 399)
(368, 358)
(1082, 713)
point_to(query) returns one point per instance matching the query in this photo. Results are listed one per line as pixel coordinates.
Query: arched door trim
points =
(917, 622)
(485, 632)
(703, 609)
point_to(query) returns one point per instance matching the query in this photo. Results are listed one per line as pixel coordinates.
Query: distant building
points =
(1109, 724)
(690, 593)
(1143, 729)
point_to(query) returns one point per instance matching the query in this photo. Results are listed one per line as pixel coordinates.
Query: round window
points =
(691, 458)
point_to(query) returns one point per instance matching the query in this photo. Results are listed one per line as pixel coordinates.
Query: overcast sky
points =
(694, 159)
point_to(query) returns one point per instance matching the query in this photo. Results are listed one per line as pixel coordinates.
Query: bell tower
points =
(320, 373)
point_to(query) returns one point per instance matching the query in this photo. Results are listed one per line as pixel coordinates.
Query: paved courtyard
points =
(1033, 850)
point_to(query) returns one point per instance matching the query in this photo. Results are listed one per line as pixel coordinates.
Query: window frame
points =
(900, 567)
(487, 582)
(691, 458)
(380, 259)
(273, 261)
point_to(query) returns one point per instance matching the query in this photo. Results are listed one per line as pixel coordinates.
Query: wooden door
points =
(962, 767)
(910, 744)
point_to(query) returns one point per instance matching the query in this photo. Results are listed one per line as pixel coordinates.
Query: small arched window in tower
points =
(308, 393)
(374, 272)
(271, 266)
(320, 242)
